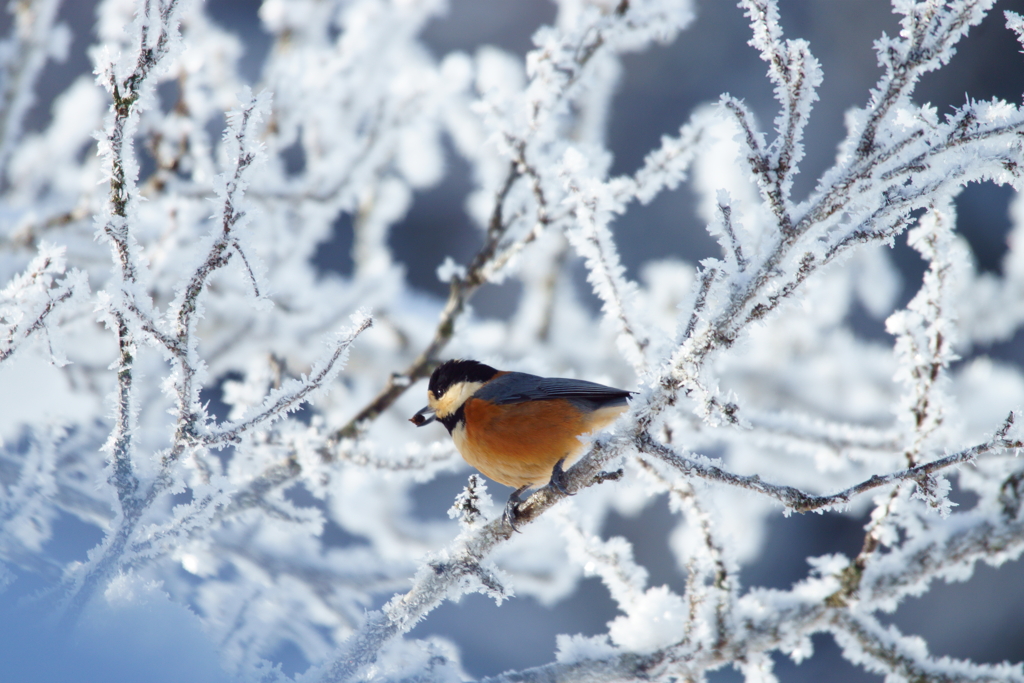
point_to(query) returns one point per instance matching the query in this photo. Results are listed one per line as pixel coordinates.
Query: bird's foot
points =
(512, 508)
(559, 479)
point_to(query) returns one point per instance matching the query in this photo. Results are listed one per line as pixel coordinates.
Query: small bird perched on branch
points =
(518, 429)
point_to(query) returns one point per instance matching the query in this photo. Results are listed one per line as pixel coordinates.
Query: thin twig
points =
(800, 501)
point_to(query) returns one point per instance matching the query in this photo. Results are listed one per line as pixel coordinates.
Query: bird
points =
(518, 429)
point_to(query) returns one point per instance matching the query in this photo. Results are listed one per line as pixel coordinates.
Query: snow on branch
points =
(30, 299)
(153, 33)
(928, 35)
(443, 578)
(725, 303)
(593, 242)
(800, 501)
(887, 651)
(244, 149)
(871, 195)
(462, 287)
(666, 167)
(925, 333)
(611, 560)
(290, 396)
(725, 230)
(796, 75)
(555, 68)
(438, 580)
(1015, 22)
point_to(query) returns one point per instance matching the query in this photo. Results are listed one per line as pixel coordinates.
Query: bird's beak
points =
(424, 417)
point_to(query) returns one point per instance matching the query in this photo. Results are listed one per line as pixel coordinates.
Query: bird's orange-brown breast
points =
(518, 444)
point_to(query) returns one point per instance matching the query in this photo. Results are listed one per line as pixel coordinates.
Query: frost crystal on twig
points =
(469, 505)
(30, 300)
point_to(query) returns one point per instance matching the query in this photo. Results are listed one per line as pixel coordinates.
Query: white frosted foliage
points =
(207, 470)
(655, 619)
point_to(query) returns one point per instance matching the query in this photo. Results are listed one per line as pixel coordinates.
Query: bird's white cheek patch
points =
(456, 395)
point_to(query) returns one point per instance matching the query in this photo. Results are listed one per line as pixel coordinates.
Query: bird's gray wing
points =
(519, 387)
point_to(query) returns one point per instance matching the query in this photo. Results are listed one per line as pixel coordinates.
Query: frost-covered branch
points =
(929, 33)
(284, 399)
(245, 150)
(154, 30)
(29, 300)
(593, 242)
(715, 563)
(887, 651)
(433, 584)
(291, 395)
(445, 576)
(924, 333)
(667, 166)
(555, 74)
(461, 289)
(800, 501)
(796, 75)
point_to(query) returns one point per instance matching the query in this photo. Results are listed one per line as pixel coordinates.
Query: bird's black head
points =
(452, 372)
(451, 385)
